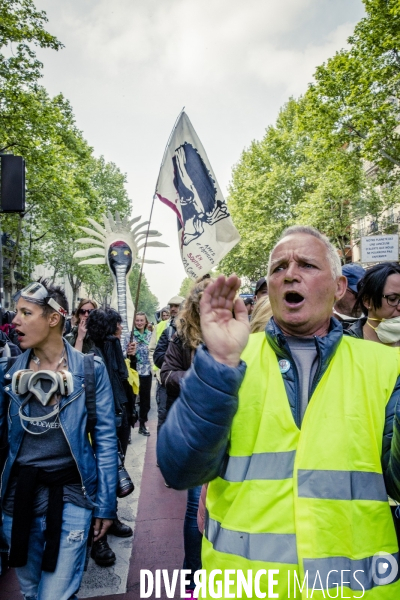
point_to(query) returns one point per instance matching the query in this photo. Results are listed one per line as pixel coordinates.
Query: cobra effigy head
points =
(119, 255)
(118, 244)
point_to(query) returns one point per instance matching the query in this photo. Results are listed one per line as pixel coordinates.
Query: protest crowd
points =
(248, 427)
(282, 422)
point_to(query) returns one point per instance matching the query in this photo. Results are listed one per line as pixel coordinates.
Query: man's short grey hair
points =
(331, 252)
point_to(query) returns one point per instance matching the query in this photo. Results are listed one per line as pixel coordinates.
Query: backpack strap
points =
(171, 332)
(90, 391)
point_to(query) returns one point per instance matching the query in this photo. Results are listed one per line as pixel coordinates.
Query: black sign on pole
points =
(12, 183)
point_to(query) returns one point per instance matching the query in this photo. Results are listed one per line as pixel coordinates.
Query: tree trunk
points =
(75, 285)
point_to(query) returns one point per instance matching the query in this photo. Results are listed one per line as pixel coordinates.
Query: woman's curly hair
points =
(101, 323)
(188, 319)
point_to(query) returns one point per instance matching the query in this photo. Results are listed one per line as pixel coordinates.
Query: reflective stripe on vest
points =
(342, 485)
(268, 547)
(268, 465)
(316, 493)
(360, 570)
(271, 548)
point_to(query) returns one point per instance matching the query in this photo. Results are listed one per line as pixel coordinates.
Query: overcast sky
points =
(129, 66)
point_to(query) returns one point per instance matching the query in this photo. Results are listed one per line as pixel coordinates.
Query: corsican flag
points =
(188, 185)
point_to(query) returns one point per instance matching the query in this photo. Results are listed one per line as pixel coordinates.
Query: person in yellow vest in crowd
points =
(165, 314)
(170, 313)
(297, 429)
(157, 331)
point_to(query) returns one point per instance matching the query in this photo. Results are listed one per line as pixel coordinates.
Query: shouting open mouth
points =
(294, 299)
(20, 334)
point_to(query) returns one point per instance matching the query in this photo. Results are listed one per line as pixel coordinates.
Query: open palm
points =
(224, 335)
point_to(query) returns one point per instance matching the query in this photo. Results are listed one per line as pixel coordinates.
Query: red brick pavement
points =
(158, 541)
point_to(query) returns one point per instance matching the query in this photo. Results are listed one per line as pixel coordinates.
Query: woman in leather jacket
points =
(53, 482)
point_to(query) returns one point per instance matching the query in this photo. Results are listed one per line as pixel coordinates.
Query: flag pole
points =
(148, 227)
(166, 147)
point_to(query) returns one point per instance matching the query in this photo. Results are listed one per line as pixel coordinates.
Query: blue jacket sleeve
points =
(106, 446)
(192, 442)
(160, 349)
(391, 445)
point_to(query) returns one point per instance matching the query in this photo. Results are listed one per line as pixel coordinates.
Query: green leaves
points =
(266, 186)
(322, 161)
(148, 302)
(21, 22)
(21, 27)
(356, 94)
(186, 286)
(65, 182)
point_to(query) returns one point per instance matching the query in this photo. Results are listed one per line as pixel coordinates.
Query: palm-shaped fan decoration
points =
(117, 244)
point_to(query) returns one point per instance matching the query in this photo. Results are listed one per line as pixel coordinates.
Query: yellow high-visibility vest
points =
(159, 329)
(311, 501)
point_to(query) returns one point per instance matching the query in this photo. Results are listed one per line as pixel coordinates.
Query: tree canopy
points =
(186, 286)
(65, 181)
(310, 167)
(148, 302)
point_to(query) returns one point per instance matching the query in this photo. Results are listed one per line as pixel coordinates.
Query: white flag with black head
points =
(187, 184)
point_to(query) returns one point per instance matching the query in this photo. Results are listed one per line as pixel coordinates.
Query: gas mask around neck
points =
(43, 385)
(388, 330)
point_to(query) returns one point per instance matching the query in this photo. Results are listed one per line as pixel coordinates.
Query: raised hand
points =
(225, 336)
(131, 349)
(81, 335)
(82, 329)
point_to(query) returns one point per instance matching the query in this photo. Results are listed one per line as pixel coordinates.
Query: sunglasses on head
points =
(85, 311)
(36, 292)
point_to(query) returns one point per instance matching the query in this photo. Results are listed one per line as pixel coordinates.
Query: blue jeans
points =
(192, 537)
(64, 583)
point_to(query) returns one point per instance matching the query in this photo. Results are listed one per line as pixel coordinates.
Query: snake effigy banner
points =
(118, 244)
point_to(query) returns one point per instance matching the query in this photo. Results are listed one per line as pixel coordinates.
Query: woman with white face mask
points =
(379, 298)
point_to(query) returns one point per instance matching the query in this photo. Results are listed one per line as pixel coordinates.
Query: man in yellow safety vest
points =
(297, 429)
